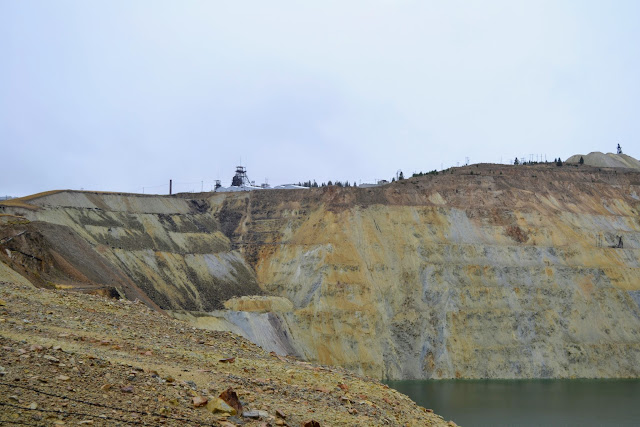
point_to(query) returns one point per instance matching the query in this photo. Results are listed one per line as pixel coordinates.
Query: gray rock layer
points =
(485, 271)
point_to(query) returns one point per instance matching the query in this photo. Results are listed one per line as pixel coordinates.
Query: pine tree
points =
(581, 160)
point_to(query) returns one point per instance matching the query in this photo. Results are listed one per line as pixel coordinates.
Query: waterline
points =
(529, 402)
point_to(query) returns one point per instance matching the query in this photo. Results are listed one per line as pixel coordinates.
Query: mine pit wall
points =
(481, 272)
(170, 249)
(492, 275)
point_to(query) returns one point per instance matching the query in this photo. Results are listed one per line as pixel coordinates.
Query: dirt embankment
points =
(609, 160)
(71, 359)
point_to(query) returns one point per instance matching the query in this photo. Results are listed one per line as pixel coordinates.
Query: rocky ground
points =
(74, 359)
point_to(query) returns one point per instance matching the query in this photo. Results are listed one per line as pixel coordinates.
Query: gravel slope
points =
(70, 359)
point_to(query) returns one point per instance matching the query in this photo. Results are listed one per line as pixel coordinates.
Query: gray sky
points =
(121, 95)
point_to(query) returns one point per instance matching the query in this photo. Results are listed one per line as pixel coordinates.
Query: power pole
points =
(170, 186)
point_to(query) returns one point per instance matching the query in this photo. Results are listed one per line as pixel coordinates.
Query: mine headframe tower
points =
(240, 178)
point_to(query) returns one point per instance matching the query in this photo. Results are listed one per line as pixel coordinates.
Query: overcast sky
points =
(125, 95)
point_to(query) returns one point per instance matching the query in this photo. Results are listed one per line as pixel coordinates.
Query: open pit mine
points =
(484, 271)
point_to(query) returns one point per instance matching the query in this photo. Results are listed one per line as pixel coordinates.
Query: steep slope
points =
(481, 273)
(70, 359)
(486, 271)
(167, 250)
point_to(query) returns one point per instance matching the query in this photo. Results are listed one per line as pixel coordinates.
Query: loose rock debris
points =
(72, 359)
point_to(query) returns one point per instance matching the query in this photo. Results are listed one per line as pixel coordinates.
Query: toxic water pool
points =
(529, 402)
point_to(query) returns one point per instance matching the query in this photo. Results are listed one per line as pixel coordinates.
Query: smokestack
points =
(170, 185)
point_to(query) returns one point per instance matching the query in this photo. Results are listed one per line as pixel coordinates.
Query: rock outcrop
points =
(169, 252)
(485, 271)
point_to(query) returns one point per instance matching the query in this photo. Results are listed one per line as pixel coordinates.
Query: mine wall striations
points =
(168, 252)
(489, 272)
(485, 271)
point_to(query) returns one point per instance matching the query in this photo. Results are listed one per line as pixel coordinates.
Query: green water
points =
(529, 402)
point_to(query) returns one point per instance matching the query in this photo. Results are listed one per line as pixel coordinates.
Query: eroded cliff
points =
(167, 251)
(487, 272)
(481, 272)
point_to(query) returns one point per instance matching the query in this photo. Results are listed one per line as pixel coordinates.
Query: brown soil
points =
(70, 359)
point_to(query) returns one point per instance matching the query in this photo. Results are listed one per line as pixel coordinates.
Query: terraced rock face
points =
(481, 272)
(505, 273)
(168, 252)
